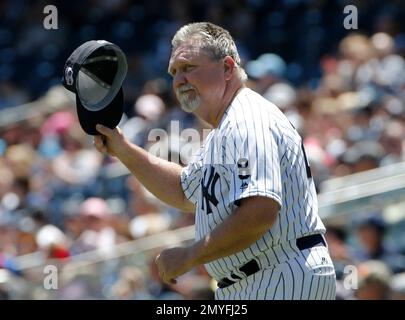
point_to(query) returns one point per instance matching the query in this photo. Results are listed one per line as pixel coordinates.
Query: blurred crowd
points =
(343, 90)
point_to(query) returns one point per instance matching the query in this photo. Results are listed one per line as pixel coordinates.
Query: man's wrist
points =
(194, 254)
(124, 154)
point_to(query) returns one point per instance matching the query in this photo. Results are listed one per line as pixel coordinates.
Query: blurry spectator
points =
(355, 50)
(266, 70)
(52, 242)
(370, 234)
(363, 156)
(97, 235)
(392, 140)
(76, 165)
(387, 68)
(56, 125)
(149, 109)
(20, 159)
(374, 281)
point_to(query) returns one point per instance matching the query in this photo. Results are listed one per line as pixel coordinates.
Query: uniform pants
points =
(307, 274)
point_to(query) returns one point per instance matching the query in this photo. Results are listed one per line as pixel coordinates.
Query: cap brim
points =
(109, 116)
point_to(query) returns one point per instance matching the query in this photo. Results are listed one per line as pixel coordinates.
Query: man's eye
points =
(188, 68)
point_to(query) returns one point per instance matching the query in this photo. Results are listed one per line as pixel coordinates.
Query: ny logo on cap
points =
(69, 76)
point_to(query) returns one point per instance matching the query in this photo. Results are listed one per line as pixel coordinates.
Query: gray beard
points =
(189, 105)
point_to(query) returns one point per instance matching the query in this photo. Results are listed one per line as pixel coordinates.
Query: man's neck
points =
(229, 96)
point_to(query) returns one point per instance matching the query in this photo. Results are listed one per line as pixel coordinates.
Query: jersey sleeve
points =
(255, 168)
(190, 177)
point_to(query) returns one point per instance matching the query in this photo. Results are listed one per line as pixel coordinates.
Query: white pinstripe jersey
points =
(255, 151)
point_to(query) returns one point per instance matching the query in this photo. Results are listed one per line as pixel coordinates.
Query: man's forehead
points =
(186, 51)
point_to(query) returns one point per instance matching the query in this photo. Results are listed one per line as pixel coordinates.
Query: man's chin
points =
(188, 109)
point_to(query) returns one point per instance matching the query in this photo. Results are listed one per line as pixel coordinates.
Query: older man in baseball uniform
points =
(258, 232)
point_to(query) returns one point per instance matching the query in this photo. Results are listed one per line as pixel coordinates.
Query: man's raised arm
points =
(160, 177)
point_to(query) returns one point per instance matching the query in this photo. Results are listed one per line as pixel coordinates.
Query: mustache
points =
(184, 88)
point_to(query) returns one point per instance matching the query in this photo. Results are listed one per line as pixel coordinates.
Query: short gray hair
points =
(213, 39)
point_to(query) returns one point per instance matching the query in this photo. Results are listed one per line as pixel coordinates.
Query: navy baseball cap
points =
(95, 72)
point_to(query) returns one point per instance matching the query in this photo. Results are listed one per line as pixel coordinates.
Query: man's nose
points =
(179, 79)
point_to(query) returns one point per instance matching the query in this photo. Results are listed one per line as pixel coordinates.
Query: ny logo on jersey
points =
(208, 190)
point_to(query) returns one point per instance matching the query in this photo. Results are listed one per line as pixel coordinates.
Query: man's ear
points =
(229, 67)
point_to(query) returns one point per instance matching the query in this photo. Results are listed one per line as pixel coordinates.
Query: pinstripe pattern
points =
(300, 278)
(252, 128)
